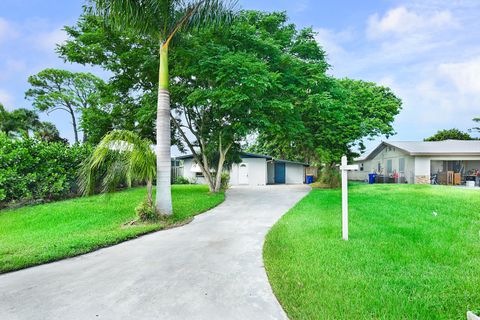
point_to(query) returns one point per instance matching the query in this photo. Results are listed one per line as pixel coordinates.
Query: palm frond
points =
(145, 16)
(121, 156)
(163, 18)
(200, 13)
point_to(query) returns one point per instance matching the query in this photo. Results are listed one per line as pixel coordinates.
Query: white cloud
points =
(47, 41)
(12, 68)
(464, 75)
(6, 99)
(401, 21)
(7, 31)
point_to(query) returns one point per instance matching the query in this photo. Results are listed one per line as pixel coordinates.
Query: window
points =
(379, 167)
(389, 166)
(361, 166)
(401, 165)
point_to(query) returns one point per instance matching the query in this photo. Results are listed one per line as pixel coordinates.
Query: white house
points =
(442, 162)
(254, 170)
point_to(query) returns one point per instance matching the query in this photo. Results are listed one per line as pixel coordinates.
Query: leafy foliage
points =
(120, 157)
(453, 134)
(181, 180)
(36, 170)
(261, 74)
(54, 89)
(19, 122)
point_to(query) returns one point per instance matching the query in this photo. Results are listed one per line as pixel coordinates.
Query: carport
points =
(285, 172)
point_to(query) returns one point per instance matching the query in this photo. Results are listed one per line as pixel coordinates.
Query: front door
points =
(243, 174)
(279, 172)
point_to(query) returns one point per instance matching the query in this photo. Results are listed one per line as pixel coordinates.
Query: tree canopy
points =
(73, 92)
(20, 122)
(449, 134)
(260, 79)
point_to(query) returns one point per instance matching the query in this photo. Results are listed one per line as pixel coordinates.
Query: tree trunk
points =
(149, 193)
(164, 195)
(218, 182)
(74, 124)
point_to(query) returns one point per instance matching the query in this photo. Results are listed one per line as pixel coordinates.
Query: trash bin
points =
(309, 179)
(371, 178)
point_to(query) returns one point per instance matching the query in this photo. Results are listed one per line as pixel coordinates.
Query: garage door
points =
(279, 172)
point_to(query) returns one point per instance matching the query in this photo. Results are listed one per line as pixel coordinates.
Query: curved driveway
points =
(211, 268)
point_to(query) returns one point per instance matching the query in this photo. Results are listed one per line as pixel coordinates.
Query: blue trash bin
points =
(371, 178)
(309, 179)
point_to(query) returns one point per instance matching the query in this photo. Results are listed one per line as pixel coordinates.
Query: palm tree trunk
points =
(149, 192)
(163, 196)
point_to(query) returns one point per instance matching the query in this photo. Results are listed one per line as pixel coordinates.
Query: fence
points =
(177, 172)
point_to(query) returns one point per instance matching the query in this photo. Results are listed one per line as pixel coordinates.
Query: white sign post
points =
(345, 168)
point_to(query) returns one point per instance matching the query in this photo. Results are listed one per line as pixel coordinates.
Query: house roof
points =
(429, 148)
(251, 155)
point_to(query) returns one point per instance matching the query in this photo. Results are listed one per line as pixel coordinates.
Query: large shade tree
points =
(72, 92)
(162, 20)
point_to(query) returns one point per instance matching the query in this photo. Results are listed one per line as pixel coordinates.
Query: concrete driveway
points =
(209, 269)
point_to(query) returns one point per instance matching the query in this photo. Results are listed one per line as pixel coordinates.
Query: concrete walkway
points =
(209, 269)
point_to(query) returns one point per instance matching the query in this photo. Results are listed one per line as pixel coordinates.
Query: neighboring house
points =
(254, 170)
(446, 162)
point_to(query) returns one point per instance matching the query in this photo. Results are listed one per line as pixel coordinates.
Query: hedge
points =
(36, 170)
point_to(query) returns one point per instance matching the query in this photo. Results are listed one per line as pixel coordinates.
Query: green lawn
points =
(401, 262)
(43, 233)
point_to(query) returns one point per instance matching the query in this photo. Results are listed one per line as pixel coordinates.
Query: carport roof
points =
(429, 148)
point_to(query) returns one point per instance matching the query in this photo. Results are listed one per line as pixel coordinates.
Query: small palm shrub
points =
(146, 211)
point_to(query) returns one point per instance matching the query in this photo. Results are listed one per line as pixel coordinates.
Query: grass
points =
(38, 234)
(401, 262)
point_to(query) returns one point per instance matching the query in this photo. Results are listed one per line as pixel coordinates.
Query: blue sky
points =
(427, 51)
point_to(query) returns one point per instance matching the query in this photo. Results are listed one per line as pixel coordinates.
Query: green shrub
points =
(37, 170)
(181, 180)
(146, 212)
(330, 177)
(225, 179)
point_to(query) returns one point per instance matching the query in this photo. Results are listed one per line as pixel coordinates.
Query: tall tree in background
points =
(19, 122)
(54, 89)
(47, 131)
(477, 121)
(162, 20)
(450, 134)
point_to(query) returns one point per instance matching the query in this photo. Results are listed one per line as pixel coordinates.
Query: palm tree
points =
(121, 155)
(19, 122)
(48, 132)
(25, 121)
(162, 20)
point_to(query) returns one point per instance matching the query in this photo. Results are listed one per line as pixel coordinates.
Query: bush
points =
(146, 212)
(36, 170)
(330, 177)
(181, 180)
(224, 181)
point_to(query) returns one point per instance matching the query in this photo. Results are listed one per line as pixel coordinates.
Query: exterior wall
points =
(422, 170)
(260, 172)
(393, 154)
(294, 173)
(257, 172)
(187, 169)
(189, 174)
(270, 172)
